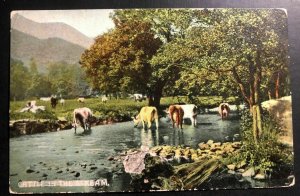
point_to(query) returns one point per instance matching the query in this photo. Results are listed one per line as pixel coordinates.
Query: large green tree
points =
(244, 47)
(119, 59)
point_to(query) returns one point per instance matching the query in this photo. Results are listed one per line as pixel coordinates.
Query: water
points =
(65, 155)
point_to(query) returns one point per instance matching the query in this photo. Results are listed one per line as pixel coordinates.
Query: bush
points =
(268, 155)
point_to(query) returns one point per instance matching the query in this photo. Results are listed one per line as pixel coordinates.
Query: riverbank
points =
(185, 168)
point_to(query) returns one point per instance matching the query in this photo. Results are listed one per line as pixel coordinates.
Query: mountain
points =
(44, 51)
(50, 30)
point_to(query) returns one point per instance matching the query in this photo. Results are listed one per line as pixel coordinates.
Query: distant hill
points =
(44, 51)
(50, 30)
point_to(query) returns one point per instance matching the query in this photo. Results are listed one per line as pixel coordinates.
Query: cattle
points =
(80, 99)
(45, 98)
(176, 114)
(32, 107)
(224, 110)
(190, 111)
(147, 114)
(139, 97)
(83, 115)
(104, 99)
(53, 101)
(62, 101)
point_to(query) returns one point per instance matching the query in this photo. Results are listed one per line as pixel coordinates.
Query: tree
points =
(246, 46)
(118, 60)
(19, 80)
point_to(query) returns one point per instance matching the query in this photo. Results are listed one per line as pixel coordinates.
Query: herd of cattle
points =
(148, 114)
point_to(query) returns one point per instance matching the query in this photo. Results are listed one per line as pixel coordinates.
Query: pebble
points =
(29, 171)
(77, 174)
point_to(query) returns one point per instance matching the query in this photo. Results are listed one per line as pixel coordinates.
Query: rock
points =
(231, 172)
(110, 158)
(29, 170)
(93, 168)
(236, 144)
(77, 151)
(62, 119)
(240, 170)
(249, 173)
(260, 176)
(242, 164)
(59, 172)
(231, 166)
(134, 162)
(77, 174)
(210, 142)
(44, 175)
(203, 146)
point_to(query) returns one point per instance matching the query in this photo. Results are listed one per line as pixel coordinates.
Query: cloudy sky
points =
(89, 22)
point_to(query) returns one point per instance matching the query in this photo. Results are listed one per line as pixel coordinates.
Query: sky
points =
(89, 22)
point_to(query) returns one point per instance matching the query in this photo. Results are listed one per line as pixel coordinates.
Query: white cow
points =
(32, 107)
(62, 101)
(83, 115)
(45, 98)
(139, 97)
(147, 114)
(104, 99)
(80, 99)
(190, 111)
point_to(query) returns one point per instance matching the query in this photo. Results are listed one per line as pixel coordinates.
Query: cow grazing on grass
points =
(32, 107)
(45, 98)
(190, 111)
(83, 116)
(224, 110)
(147, 114)
(176, 114)
(104, 99)
(81, 100)
(62, 101)
(53, 101)
(139, 97)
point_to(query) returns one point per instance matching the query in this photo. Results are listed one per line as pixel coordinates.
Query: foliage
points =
(60, 79)
(19, 79)
(122, 54)
(268, 155)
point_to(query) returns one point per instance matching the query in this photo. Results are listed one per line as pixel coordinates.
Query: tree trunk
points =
(269, 94)
(277, 86)
(154, 99)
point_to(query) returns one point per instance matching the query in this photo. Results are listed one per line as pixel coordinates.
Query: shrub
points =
(268, 155)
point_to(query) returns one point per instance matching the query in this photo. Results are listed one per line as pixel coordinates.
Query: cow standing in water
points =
(83, 115)
(176, 114)
(147, 115)
(224, 110)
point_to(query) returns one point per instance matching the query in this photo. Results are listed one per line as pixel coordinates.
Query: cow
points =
(190, 111)
(83, 115)
(176, 114)
(62, 101)
(104, 99)
(139, 97)
(45, 98)
(224, 110)
(80, 99)
(53, 101)
(147, 114)
(32, 107)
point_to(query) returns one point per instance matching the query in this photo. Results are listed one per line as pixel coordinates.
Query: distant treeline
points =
(67, 80)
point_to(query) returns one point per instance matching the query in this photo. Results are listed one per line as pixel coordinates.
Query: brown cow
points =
(224, 110)
(176, 114)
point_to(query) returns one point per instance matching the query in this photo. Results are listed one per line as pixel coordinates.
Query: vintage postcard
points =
(134, 100)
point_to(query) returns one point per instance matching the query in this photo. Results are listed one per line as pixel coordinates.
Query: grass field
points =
(120, 108)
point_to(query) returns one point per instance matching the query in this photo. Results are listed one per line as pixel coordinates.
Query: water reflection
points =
(149, 138)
